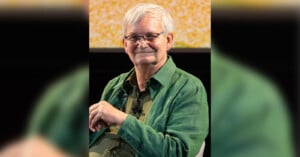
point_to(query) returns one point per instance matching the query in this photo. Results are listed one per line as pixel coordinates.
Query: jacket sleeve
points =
(107, 90)
(60, 113)
(186, 126)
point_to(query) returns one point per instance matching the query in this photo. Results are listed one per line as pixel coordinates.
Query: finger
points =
(93, 107)
(96, 120)
(98, 127)
(91, 125)
(93, 114)
(93, 121)
(100, 124)
(91, 128)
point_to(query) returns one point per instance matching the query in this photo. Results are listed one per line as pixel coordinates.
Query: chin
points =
(146, 62)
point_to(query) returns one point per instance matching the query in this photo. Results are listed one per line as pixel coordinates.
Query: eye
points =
(134, 37)
(151, 36)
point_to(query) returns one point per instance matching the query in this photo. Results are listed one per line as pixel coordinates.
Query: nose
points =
(142, 43)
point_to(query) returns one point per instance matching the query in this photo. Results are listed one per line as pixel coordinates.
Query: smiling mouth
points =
(141, 52)
(144, 52)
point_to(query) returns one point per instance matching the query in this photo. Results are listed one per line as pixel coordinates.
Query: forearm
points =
(150, 142)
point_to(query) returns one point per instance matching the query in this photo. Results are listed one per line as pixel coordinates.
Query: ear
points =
(124, 44)
(170, 38)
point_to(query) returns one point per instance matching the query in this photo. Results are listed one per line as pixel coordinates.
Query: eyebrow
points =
(143, 33)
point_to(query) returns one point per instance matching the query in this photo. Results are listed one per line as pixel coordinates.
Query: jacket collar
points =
(163, 76)
(165, 73)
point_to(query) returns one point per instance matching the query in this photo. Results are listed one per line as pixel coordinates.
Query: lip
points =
(141, 52)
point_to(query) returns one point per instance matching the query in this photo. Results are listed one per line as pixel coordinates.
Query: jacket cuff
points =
(128, 131)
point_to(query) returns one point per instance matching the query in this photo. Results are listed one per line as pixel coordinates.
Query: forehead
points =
(149, 23)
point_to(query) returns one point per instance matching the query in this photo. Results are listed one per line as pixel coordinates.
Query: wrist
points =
(122, 117)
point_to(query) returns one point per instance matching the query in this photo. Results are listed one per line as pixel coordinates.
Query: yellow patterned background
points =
(191, 20)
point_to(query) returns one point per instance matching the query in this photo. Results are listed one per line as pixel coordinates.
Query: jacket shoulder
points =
(113, 84)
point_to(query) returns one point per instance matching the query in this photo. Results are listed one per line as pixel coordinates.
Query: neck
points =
(144, 73)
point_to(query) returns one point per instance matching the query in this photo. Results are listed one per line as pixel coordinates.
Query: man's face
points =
(142, 51)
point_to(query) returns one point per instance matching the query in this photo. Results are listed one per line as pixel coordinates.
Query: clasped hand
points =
(103, 114)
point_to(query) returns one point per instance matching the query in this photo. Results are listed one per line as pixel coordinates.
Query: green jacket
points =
(61, 113)
(177, 122)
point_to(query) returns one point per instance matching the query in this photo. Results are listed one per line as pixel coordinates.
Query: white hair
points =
(136, 13)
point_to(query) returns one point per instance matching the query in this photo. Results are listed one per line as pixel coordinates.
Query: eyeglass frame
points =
(144, 36)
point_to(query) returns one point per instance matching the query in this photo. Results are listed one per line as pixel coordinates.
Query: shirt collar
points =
(127, 81)
(162, 76)
(130, 80)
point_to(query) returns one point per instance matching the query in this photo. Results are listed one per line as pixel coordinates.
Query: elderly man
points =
(155, 109)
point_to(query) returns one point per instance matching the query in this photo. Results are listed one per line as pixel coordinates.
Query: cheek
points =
(129, 49)
(156, 46)
(126, 45)
(161, 45)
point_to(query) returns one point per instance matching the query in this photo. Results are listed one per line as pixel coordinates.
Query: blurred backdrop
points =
(42, 41)
(262, 36)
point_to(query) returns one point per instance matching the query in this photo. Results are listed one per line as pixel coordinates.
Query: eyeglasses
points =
(149, 37)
